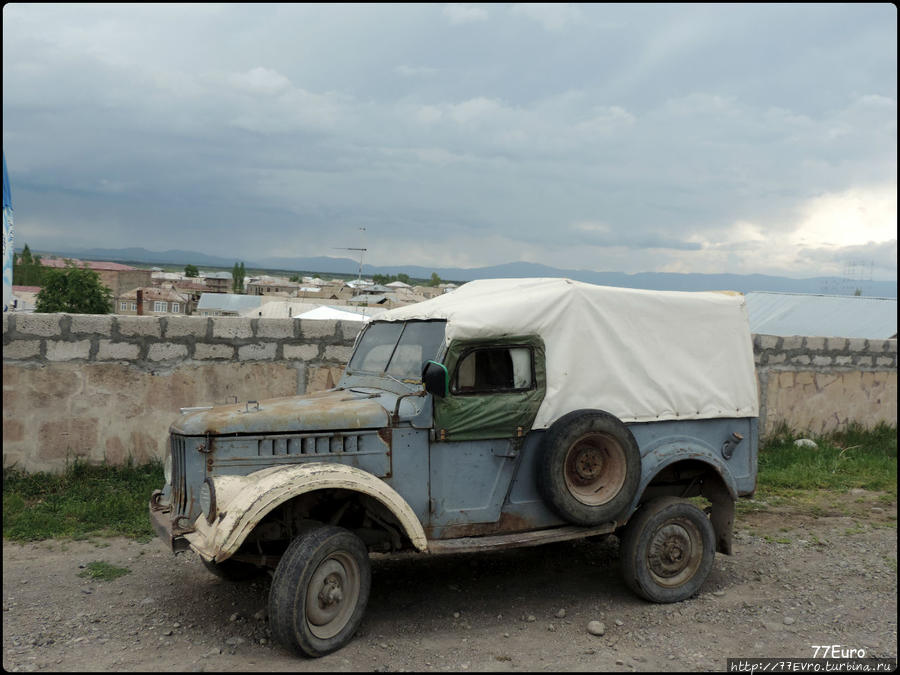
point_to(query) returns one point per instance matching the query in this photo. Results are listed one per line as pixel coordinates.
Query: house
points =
(266, 285)
(217, 282)
(117, 277)
(152, 301)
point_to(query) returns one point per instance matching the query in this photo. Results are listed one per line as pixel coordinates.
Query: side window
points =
(494, 369)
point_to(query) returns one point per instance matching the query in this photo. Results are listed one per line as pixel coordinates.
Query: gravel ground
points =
(795, 580)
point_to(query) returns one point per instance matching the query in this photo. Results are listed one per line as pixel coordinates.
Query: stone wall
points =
(817, 385)
(107, 387)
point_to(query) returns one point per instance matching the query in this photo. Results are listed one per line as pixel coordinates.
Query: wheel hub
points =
(669, 551)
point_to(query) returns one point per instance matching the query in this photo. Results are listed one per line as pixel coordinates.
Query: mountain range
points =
(744, 283)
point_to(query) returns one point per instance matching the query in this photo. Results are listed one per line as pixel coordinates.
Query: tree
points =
(237, 278)
(191, 271)
(435, 280)
(27, 269)
(857, 292)
(75, 290)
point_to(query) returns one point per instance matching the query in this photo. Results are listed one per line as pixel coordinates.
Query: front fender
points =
(243, 501)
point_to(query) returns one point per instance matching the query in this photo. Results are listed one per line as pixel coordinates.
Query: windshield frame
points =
(417, 379)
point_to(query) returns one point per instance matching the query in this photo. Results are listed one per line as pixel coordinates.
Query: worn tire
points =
(233, 570)
(319, 591)
(667, 550)
(590, 467)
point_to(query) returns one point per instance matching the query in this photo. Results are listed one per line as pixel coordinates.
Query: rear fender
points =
(243, 501)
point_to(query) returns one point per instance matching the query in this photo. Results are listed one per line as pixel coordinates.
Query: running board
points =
(500, 541)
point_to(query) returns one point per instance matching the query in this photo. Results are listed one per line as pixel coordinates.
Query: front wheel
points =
(667, 550)
(319, 591)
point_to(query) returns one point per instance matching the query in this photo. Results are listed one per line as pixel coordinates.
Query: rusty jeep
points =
(505, 413)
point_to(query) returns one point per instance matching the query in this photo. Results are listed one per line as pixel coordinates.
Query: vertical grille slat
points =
(179, 475)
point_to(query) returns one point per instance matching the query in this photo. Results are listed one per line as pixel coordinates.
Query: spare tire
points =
(590, 467)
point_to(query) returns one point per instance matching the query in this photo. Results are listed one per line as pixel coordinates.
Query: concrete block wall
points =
(107, 387)
(101, 387)
(817, 385)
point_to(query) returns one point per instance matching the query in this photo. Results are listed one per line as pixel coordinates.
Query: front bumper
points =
(168, 528)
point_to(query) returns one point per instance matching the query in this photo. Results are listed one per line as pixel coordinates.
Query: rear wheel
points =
(319, 591)
(667, 550)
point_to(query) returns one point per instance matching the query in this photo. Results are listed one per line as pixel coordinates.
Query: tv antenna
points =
(362, 252)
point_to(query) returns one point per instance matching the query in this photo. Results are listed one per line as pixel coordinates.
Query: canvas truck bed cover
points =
(641, 355)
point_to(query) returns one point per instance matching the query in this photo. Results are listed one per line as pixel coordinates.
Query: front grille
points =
(179, 475)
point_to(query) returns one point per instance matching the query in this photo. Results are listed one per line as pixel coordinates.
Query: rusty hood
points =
(313, 412)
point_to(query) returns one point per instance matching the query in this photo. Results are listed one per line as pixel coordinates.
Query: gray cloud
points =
(699, 135)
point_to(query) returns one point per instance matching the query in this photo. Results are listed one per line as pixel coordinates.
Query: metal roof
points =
(228, 302)
(846, 316)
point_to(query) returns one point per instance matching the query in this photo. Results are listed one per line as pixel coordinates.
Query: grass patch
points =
(84, 501)
(854, 458)
(103, 571)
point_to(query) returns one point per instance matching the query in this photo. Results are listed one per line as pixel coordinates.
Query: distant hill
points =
(647, 280)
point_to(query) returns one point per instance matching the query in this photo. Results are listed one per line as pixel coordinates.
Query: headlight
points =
(167, 469)
(208, 500)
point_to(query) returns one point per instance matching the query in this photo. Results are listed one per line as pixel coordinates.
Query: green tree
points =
(857, 292)
(27, 269)
(237, 278)
(73, 289)
(403, 277)
(191, 271)
(435, 280)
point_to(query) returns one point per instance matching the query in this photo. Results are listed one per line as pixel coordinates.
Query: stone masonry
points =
(101, 387)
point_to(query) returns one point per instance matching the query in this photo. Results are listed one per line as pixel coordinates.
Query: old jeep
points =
(505, 413)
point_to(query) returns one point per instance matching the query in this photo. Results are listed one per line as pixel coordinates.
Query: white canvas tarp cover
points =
(641, 355)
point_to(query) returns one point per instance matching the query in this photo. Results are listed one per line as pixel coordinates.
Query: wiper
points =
(405, 384)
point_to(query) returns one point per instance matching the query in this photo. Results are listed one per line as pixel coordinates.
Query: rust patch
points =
(386, 435)
(508, 523)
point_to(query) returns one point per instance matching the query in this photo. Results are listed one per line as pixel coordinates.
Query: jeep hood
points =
(336, 410)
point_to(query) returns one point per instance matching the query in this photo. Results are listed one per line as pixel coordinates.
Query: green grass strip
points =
(85, 500)
(854, 458)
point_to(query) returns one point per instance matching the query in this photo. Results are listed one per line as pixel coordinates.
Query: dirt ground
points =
(796, 580)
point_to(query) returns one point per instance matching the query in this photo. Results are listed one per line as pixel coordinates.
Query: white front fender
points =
(243, 501)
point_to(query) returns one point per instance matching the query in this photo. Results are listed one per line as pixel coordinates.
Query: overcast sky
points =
(630, 138)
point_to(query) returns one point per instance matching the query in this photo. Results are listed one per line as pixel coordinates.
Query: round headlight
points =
(208, 500)
(167, 469)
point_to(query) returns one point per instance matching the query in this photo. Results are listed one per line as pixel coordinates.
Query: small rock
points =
(233, 617)
(169, 632)
(619, 622)
(506, 635)
(805, 443)
(718, 594)
(147, 601)
(596, 628)
(235, 641)
(561, 614)
(176, 625)
(260, 615)
(620, 662)
(455, 615)
(531, 618)
(877, 509)
(86, 591)
(551, 628)
(789, 620)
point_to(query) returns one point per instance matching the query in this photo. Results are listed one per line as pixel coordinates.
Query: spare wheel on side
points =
(590, 467)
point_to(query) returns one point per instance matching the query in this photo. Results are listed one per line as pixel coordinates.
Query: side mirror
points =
(436, 378)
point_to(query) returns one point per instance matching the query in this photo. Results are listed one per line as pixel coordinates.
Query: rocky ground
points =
(821, 575)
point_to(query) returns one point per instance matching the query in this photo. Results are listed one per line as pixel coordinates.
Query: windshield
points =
(396, 348)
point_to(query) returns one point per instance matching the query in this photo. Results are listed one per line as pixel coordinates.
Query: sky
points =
(745, 138)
